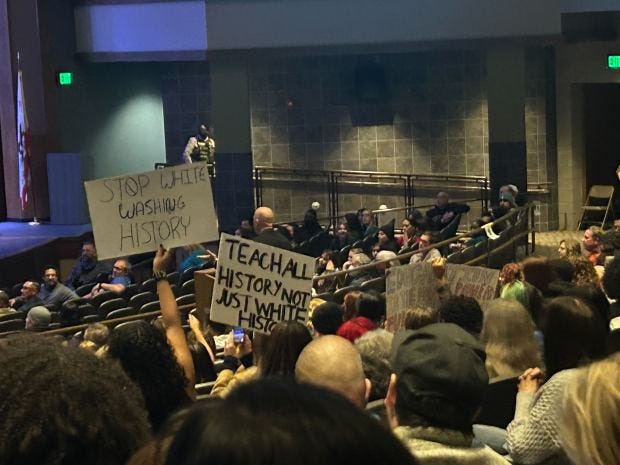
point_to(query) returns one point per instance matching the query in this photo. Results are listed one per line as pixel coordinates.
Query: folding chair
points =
(598, 203)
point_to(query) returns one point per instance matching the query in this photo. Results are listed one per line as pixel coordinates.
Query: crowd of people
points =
(529, 377)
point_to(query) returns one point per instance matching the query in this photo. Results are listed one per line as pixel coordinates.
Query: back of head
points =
(372, 306)
(611, 279)
(375, 343)
(349, 305)
(284, 423)
(62, 406)
(508, 337)
(573, 334)
(441, 377)
(418, 317)
(327, 318)
(584, 271)
(333, 363)
(97, 333)
(593, 399)
(38, 317)
(462, 311)
(282, 348)
(562, 269)
(537, 272)
(146, 357)
(4, 299)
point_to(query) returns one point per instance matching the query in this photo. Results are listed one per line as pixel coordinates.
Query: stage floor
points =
(17, 237)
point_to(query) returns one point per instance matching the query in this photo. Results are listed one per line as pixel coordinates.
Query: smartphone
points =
(238, 335)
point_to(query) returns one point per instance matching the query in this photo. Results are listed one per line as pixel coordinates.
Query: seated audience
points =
(349, 304)
(386, 239)
(268, 355)
(382, 266)
(429, 254)
(309, 228)
(573, 336)
(159, 363)
(326, 319)
(611, 285)
(95, 337)
(591, 417)
(367, 220)
(569, 248)
(584, 272)
(437, 386)
(509, 340)
(412, 227)
(53, 294)
(341, 237)
(370, 311)
(355, 277)
(5, 306)
(118, 281)
(462, 311)
(28, 298)
(593, 246)
(38, 319)
(333, 363)
(62, 406)
(324, 430)
(327, 263)
(444, 212)
(87, 268)
(354, 226)
(265, 234)
(418, 317)
(375, 343)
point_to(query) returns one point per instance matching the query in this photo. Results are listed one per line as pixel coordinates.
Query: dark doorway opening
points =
(601, 116)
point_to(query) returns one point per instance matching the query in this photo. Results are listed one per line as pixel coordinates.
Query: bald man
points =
(334, 363)
(265, 234)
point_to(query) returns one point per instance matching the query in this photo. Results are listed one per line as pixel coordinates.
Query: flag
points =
(23, 144)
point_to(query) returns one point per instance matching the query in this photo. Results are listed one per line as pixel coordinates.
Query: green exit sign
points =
(64, 78)
(613, 61)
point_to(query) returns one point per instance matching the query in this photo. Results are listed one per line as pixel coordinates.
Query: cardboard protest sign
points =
(408, 287)
(414, 285)
(472, 281)
(257, 286)
(137, 212)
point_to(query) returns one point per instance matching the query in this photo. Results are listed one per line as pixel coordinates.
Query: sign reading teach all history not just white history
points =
(137, 212)
(257, 286)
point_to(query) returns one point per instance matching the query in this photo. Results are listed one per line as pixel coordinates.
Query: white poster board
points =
(472, 281)
(414, 285)
(137, 212)
(257, 286)
(407, 287)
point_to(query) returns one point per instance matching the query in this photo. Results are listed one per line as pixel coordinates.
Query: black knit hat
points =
(327, 318)
(388, 229)
(441, 375)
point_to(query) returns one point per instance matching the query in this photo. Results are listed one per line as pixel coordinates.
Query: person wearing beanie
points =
(386, 237)
(326, 319)
(38, 319)
(437, 386)
(506, 201)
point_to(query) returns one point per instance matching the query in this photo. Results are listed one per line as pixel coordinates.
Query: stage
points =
(25, 248)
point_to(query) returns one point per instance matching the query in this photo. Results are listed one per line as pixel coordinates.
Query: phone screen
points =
(238, 335)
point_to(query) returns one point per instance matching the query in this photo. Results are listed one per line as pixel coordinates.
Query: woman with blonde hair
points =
(591, 414)
(508, 336)
(569, 248)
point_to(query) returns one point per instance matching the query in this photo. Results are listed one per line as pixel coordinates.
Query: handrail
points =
(407, 255)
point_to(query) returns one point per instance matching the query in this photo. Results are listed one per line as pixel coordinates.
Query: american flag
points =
(23, 144)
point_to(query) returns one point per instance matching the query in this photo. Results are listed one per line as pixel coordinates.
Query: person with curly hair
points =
(584, 272)
(160, 364)
(64, 406)
(278, 422)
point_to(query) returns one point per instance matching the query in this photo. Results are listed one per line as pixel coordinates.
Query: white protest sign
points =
(257, 286)
(137, 212)
(408, 287)
(472, 281)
